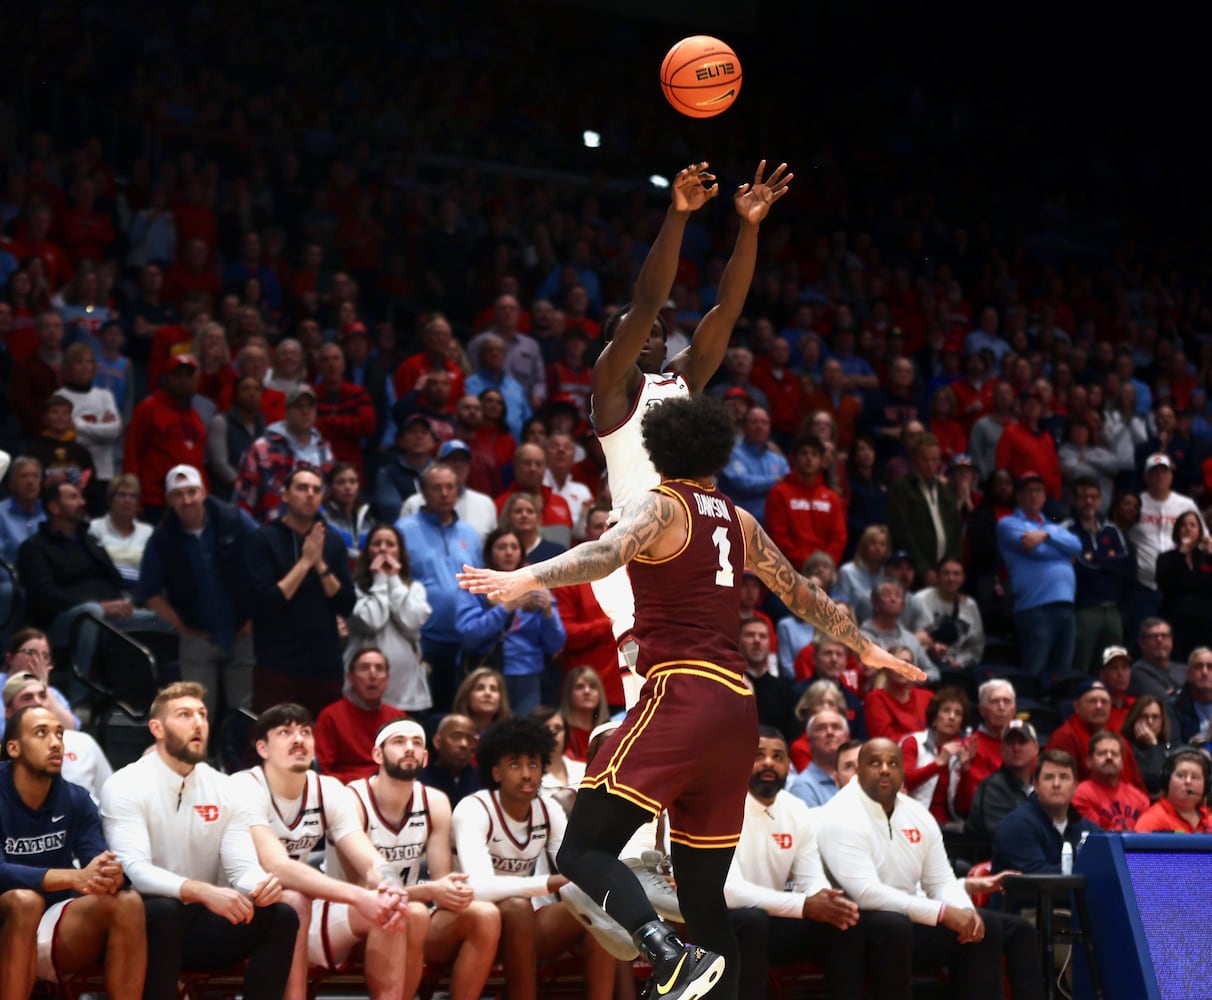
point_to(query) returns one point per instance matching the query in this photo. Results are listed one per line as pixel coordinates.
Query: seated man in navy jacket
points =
(1030, 838)
(46, 826)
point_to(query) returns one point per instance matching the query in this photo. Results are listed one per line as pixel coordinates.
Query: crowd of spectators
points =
(269, 382)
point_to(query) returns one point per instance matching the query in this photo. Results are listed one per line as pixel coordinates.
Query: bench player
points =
(631, 374)
(293, 811)
(409, 825)
(688, 742)
(53, 846)
(506, 837)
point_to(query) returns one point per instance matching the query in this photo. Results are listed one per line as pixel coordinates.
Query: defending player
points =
(292, 811)
(631, 374)
(687, 744)
(409, 825)
(48, 824)
(506, 836)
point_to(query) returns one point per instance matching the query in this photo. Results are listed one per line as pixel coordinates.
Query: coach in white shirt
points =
(886, 851)
(185, 845)
(780, 902)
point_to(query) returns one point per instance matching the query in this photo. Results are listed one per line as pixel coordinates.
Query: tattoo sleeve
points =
(643, 521)
(802, 596)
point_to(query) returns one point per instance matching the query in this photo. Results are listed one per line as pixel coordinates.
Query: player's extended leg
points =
(598, 829)
(113, 924)
(557, 931)
(393, 958)
(700, 874)
(20, 911)
(296, 985)
(468, 940)
(600, 825)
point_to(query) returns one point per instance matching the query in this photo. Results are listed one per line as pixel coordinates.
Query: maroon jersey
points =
(688, 606)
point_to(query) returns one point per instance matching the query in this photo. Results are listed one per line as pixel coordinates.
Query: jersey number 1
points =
(724, 577)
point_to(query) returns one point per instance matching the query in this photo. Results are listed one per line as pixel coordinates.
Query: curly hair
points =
(519, 736)
(689, 438)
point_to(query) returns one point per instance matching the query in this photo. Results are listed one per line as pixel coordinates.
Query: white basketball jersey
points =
(305, 831)
(517, 848)
(403, 847)
(628, 468)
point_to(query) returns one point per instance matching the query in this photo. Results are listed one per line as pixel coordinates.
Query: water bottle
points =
(1067, 858)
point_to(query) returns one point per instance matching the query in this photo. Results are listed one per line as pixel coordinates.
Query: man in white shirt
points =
(1153, 534)
(292, 810)
(780, 901)
(409, 825)
(184, 843)
(506, 839)
(886, 851)
(561, 452)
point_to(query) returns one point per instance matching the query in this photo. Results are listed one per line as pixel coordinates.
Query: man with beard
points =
(409, 824)
(779, 899)
(1102, 798)
(50, 826)
(183, 841)
(886, 851)
(293, 811)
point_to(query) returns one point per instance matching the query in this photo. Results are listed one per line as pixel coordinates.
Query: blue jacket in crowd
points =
(1044, 574)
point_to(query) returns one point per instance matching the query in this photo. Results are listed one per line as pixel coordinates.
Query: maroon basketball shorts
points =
(687, 746)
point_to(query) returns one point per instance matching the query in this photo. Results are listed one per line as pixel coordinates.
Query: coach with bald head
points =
(886, 852)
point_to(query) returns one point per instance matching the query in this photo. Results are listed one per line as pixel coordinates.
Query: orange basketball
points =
(701, 76)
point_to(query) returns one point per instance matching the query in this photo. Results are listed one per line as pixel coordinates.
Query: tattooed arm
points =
(805, 598)
(653, 524)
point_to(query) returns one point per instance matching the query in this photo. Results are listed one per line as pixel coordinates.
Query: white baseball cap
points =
(180, 477)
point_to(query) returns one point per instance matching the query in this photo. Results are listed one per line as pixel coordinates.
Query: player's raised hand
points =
(693, 188)
(753, 200)
(878, 658)
(495, 585)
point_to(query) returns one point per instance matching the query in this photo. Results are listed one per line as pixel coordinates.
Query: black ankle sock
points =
(657, 941)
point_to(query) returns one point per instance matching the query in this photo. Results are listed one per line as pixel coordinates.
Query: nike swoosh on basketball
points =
(55, 819)
(665, 987)
(727, 95)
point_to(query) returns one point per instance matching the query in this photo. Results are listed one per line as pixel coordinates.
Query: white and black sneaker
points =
(679, 971)
(693, 974)
(610, 934)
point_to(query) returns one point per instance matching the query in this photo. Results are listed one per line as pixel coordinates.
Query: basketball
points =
(701, 76)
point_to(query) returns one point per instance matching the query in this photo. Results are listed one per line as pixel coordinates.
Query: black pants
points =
(185, 937)
(599, 828)
(876, 951)
(976, 970)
